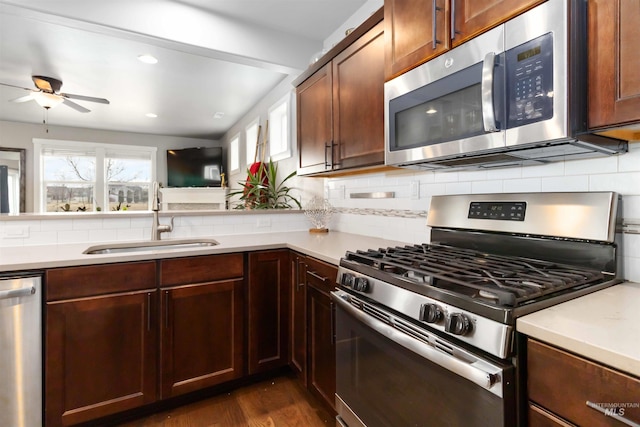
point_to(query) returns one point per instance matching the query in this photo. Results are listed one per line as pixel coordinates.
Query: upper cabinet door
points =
(474, 17)
(415, 31)
(315, 137)
(614, 79)
(358, 102)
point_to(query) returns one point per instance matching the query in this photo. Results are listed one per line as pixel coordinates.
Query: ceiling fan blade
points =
(85, 98)
(47, 84)
(17, 87)
(22, 99)
(75, 106)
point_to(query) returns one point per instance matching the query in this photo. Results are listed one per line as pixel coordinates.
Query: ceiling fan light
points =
(47, 100)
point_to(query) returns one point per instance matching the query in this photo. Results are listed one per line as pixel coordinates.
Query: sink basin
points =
(153, 245)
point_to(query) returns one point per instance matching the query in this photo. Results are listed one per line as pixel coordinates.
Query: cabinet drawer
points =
(321, 274)
(562, 383)
(78, 282)
(179, 271)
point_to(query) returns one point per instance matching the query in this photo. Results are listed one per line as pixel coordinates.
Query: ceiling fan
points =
(48, 94)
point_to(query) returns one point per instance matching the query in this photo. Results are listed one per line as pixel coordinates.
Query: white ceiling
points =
(214, 56)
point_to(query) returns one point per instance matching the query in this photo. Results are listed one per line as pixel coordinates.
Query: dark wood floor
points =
(277, 402)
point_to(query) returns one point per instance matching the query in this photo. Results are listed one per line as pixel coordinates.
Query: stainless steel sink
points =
(153, 245)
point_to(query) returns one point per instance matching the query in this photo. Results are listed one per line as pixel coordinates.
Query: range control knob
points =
(347, 280)
(431, 313)
(361, 284)
(457, 324)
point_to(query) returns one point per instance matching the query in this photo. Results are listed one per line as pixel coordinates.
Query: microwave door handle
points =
(488, 113)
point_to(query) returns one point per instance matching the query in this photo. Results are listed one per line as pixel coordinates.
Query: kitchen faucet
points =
(156, 228)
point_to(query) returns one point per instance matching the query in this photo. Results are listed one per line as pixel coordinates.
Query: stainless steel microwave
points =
(513, 95)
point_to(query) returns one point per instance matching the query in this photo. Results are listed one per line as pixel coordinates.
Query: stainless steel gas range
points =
(425, 334)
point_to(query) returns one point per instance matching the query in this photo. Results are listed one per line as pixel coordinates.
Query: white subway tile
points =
(591, 166)
(532, 185)
(109, 223)
(100, 235)
(505, 173)
(630, 162)
(42, 238)
(472, 175)
(481, 187)
(442, 176)
(87, 224)
(631, 207)
(73, 236)
(56, 224)
(549, 169)
(631, 268)
(458, 188)
(627, 183)
(566, 183)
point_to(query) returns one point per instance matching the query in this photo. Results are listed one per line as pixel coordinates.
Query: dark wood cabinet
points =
(614, 80)
(201, 322)
(314, 117)
(418, 30)
(340, 107)
(321, 376)
(298, 317)
(268, 308)
(101, 341)
(358, 103)
(561, 385)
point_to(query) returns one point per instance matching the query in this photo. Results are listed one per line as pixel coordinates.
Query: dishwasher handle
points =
(15, 293)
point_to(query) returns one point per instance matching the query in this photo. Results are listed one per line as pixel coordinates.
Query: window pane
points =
(69, 168)
(251, 138)
(69, 197)
(128, 196)
(127, 170)
(278, 131)
(234, 153)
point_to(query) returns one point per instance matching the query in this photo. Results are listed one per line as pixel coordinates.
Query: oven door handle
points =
(445, 360)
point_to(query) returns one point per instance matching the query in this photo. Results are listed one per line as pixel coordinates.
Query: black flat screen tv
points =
(194, 167)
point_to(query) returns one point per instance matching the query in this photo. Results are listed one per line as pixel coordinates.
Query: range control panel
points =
(508, 211)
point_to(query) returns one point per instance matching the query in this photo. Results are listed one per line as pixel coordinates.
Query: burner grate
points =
(495, 279)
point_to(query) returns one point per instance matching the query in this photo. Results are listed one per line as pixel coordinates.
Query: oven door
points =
(392, 373)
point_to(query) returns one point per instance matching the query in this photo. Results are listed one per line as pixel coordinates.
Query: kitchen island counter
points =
(603, 326)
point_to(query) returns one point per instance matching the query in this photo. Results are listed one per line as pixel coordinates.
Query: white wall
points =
(21, 135)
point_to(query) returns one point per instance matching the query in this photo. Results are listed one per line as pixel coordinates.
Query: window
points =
(279, 146)
(82, 176)
(234, 154)
(251, 136)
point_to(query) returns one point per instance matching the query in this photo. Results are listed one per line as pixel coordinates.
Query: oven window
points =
(386, 385)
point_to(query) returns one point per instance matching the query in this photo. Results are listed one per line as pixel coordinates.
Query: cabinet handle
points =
(611, 412)
(328, 146)
(332, 315)
(317, 276)
(434, 26)
(148, 311)
(453, 19)
(166, 309)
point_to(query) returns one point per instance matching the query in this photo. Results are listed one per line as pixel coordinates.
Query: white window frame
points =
(278, 128)
(250, 140)
(234, 154)
(101, 194)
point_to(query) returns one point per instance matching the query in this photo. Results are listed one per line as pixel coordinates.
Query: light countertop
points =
(329, 247)
(603, 326)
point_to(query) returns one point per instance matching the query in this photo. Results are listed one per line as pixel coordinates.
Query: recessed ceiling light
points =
(147, 59)
(218, 115)
(151, 115)
(431, 111)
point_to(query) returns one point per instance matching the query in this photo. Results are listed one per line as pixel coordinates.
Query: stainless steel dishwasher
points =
(21, 350)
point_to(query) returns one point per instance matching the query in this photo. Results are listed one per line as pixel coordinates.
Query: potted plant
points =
(262, 191)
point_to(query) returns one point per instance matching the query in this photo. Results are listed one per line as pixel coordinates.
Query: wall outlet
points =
(15, 232)
(263, 223)
(415, 190)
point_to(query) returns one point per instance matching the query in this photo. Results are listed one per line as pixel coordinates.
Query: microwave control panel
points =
(529, 79)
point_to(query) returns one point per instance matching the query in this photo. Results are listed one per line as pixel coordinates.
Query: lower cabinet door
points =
(322, 347)
(201, 336)
(100, 356)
